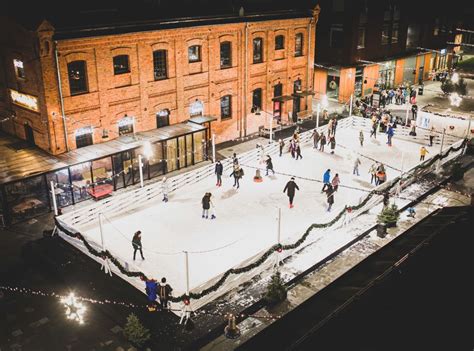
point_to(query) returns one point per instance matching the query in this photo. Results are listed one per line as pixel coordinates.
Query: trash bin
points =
(381, 230)
(420, 90)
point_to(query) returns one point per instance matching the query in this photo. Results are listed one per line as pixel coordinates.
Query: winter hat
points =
(292, 178)
(163, 280)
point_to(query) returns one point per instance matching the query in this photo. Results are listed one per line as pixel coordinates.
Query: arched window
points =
(163, 118)
(77, 73)
(196, 109)
(257, 50)
(279, 42)
(257, 99)
(226, 54)
(160, 67)
(121, 64)
(125, 125)
(226, 107)
(299, 44)
(194, 53)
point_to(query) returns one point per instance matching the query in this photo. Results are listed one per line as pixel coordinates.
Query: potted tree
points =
(135, 332)
(276, 290)
(386, 219)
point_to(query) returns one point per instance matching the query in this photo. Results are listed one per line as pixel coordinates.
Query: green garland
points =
(278, 247)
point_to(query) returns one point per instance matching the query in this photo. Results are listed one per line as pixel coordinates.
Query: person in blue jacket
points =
(390, 133)
(151, 289)
(326, 179)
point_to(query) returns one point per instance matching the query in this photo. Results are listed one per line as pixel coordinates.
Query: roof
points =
(202, 119)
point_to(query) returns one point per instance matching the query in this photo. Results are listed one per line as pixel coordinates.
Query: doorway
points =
(29, 135)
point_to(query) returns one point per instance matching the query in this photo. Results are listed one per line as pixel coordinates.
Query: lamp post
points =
(147, 153)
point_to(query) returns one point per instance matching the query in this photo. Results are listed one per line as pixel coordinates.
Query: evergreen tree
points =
(447, 86)
(276, 290)
(135, 332)
(389, 215)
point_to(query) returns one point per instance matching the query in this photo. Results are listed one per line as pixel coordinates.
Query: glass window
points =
(163, 118)
(77, 73)
(226, 107)
(199, 146)
(118, 171)
(297, 86)
(279, 42)
(160, 64)
(361, 38)
(125, 125)
(385, 34)
(395, 27)
(189, 150)
(27, 198)
(258, 50)
(336, 36)
(121, 64)
(129, 166)
(413, 36)
(363, 17)
(196, 109)
(387, 14)
(278, 90)
(102, 171)
(194, 53)
(299, 44)
(171, 155)
(156, 162)
(63, 187)
(19, 69)
(181, 152)
(257, 99)
(226, 54)
(81, 178)
(84, 137)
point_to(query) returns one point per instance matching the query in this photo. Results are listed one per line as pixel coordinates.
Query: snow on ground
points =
(246, 223)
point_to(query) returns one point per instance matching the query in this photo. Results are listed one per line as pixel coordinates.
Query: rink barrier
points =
(385, 187)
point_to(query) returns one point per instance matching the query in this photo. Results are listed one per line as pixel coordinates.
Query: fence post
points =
(140, 166)
(213, 147)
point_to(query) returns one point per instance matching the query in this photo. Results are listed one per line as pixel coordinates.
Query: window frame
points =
(385, 39)
(229, 58)
(164, 64)
(299, 51)
(257, 58)
(279, 45)
(85, 87)
(84, 136)
(336, 27)
(394, 39)
(361, 43)
(257, 94)
(198, 56)
(119, 71)
(224, 114)
(19, 71)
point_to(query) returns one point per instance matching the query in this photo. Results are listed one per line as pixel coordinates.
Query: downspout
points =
(308, 68)
(245, 79)
(61, 94)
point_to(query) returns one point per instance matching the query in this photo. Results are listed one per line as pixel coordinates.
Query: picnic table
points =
(100, 191)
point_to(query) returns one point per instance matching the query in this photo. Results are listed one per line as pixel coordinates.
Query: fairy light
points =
(455, 99)
(74, 309)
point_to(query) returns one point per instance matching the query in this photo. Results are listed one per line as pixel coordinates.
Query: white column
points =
(140, 166)
(101, 232)
(318, 108)
(279, 225)
(213, 147)
(53, 194)
(187, 271)
(350, 107)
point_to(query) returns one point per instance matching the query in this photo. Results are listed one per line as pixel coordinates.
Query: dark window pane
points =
(385, 34)
(336, 36)
(194, 53)
(226, 107)
(278, 90)
(84, 137)
(77, 77)
(257, 99)
(299, 44)
(257, 50)
(163, 118)
(226, 54)
(279, 42)
(121, 64)
(19, 69)
(160, 65)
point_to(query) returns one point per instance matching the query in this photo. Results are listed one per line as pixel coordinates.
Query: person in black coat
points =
(330, 195)
(290, 190)
(269, 163)
(218, 172)
(298, 151)
(164, 293)
(206, 205)
(137, 244)
(237, 173)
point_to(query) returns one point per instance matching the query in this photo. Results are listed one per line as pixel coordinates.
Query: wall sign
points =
(24, 100)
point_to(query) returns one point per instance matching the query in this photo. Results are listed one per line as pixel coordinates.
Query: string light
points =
(75, 310)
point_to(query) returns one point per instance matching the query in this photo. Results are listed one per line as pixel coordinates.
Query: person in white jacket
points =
(165, 189)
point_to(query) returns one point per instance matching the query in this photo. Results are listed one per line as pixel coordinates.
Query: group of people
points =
(322, 140)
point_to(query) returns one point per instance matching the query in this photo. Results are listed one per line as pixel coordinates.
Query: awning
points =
(283, 98)
(202, 119)
(303, 93)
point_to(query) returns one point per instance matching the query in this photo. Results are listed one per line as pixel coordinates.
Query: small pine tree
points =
(389, 215)
(447, 86)
(135, 332)
(276, 290)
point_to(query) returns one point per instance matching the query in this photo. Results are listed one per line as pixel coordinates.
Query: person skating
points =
(164, 293)
(165, 189)
(381, 176)
(361, 137)
(373, 173)
(218, 172)
(237, 173)
(373, 132)
(212, 207)
(330, 196)
(269, 163)
(292, 148)
(235, 160)
(356, 166)
(322, 142)
(206, 205)
(315, 137)
(298, 151)
(432, 135)
(290, 190)
(326, 179)
(414, 111)
(137, 244)
(335, 182)
(332, 142)
(151, 289)
(423, 153)
(281, 143)
(334, 126)
(390, 133)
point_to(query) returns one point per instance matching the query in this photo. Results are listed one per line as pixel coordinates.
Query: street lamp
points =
(257, 112)
(147, 153)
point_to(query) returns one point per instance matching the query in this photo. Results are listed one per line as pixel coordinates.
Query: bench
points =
(100, 191)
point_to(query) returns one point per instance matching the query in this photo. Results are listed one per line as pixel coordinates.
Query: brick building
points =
(64, 87)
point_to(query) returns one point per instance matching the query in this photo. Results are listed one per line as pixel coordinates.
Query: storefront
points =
(409, 70)
(359, 78)
(387, 74)
(332, 85)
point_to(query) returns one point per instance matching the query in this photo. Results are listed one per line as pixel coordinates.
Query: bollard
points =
(231, 331)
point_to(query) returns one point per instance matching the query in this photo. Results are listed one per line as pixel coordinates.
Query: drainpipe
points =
(61, 94)
(308, 69)
(245, 79)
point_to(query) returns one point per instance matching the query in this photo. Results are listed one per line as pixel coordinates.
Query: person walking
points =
(322, 142)
(423, 153)
(414, 111)
(315, 137)
(212, 207)
(137, 244)
(373, 173)
(206, 205)
(235, 160)
(164, 293)
(330, 196)
(332, 142)
(432, 135)
(334, 126)
(290, 190)
(218, 172)
(165, 189)
(335, 182)
(298, 151)
(237, 173)
(361, 137)
(326, 179)
(373, 132)
(292, 148)
(281, 143)
(269, 163)
(356, 166)
(390, 134)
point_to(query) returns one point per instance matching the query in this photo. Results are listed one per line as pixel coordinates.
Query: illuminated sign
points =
(24, 100)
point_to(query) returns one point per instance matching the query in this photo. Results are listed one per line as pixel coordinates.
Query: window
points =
(278, 90)
(396, 13)
(226, 54)
(125, 125)
(19, 70)
(436, 27)
(297, 86)
(84, 137)
(196, 109)
(163, 118)
(385, 30)
(336, 36)
(387, 14)
(77, 77)
(121, 65)
(226, 107)
(361, 38)
(194, 53)
(160, 65)
(395, 27)
(363, 17)
(257, 50)
(279, 42)
(299, 44)
(257, 99)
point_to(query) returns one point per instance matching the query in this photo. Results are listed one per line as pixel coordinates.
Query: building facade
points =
(62, 90)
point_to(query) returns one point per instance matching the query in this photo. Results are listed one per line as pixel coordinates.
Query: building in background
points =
(367, 44)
